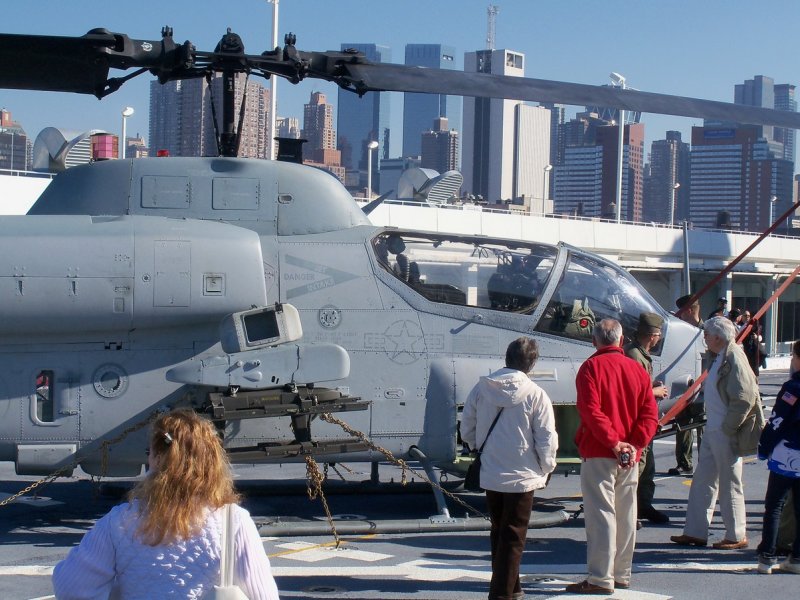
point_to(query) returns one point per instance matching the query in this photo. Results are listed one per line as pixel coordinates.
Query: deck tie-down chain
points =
(103, 460)
(404, 466)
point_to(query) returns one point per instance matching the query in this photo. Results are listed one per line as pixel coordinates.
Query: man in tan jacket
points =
(731, 393)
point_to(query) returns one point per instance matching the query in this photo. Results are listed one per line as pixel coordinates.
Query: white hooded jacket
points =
(521, 451)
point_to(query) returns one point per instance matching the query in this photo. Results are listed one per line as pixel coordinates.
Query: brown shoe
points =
(618, 585)
(730, 545)
(688, 540)
(584, 587)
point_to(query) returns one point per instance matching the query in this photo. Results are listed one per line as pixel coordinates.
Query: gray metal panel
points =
(229, 193)
(160, 191)
(173, 279)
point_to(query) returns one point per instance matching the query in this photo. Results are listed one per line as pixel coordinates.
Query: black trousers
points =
(778, 488)
(510, 514)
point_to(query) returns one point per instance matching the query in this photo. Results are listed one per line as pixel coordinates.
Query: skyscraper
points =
(181, 117)
(318, 129)
(785, 100)
(318, 123)
(288, 127)
(364, 120)
(14, 144)
(439, 149)
(490, 129)
(735, 172)
(531, 151)
(758, 91)
(586, 182)
(420, 110)
(669, 164)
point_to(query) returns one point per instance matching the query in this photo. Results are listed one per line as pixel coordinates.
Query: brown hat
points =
(649, 323)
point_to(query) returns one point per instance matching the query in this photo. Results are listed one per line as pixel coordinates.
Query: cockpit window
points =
(456, 270)
(590, 291)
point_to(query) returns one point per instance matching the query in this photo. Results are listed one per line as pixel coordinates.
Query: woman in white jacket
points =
(517, 457)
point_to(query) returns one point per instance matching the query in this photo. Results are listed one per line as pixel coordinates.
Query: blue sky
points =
(684, 47)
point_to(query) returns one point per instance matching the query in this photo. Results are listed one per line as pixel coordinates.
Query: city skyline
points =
(567, 41)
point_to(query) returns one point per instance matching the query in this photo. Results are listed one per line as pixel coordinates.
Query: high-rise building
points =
(586, 183)
(531, 177)
(420, 110)
(735, 173)
(320, 149)
(181, 117)
(758, 91)
(318, 123)
(14, 144)
(136, 147)
(439, 148)
(364, 120)
(557, 137)
(490, 130)
(785, 100)
(669, 165)
(288, 127)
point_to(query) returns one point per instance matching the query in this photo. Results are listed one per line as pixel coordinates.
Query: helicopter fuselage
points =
(115, 285)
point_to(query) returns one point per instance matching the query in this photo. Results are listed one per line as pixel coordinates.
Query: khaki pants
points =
(609, 506)
(718, 473)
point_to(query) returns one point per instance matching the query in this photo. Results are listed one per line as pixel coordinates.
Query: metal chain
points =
(314, 487)
(125, 432)
(328, 417)
(44, 481)
(103, 462)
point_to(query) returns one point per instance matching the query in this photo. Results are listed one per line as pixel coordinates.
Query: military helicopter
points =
(259, 293)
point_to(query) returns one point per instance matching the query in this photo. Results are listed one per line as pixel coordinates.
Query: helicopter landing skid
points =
(301, 404)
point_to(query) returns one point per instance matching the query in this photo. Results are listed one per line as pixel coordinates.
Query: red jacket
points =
(615, 403)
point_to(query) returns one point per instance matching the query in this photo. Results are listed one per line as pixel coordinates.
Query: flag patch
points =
(790, 399)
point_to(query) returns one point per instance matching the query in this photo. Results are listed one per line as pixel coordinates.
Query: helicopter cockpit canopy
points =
(563, 289)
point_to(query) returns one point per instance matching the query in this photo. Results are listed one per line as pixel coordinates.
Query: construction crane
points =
(491, 17)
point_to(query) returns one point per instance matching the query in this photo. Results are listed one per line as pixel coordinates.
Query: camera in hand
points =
(624, 459)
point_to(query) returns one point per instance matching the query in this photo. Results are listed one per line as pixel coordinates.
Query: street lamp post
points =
(126, 112)
(772, 202)
(675, 187)
(547, 170)
(619, 81)
(11, 166)
(370, 147)
(273, 85)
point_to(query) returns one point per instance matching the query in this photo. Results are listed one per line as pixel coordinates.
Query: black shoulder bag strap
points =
(488, 433)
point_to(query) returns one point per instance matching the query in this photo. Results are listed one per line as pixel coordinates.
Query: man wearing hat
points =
(648, 334)
(689, 312)
(685, 438)
(722, 305)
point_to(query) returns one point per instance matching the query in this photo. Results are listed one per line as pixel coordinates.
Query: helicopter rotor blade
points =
(81, 64)
(366, 77)
(50, 63)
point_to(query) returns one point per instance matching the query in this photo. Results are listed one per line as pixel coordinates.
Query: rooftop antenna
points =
(491, 17)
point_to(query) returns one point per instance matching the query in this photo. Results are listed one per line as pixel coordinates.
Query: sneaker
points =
(621, 585)
(791, 565)
(766, 568)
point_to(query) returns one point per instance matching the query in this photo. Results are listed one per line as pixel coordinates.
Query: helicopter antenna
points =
(491, 17)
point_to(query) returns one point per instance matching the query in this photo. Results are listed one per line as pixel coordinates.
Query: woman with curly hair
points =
(166, 541)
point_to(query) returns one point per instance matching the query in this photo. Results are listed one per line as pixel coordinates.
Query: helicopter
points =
(259, 292)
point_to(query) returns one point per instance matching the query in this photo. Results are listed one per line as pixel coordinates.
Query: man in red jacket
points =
(619, 417)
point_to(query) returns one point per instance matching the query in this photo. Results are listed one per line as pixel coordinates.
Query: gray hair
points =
(721, 327)
(607, 332)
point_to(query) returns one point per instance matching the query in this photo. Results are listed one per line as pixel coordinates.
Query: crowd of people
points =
(616, 403)
(168, 538)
